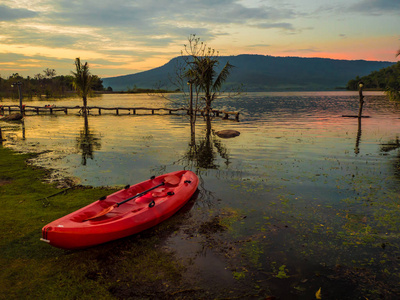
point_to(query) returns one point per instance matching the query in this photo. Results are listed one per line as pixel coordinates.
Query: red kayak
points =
(126, 212)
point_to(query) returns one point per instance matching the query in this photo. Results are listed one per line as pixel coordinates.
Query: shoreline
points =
(33, 265)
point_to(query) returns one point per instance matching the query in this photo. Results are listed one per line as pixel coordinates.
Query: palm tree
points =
(203, 74)
(82, 81)
(202, 64)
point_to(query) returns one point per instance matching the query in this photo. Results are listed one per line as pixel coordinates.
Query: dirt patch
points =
(5, 181)
(212, 226)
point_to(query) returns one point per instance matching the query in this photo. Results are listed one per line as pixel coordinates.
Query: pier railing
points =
(52, 109)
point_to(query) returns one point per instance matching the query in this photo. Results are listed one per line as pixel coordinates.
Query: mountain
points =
(262, 73)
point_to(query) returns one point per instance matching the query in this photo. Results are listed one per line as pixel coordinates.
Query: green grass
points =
(30, 269)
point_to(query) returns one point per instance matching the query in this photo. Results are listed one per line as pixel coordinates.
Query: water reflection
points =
(203, 153)
(87, 142)
(311, 205)
(358, 138)
(8, 132)
(390, 146)
(23, 129)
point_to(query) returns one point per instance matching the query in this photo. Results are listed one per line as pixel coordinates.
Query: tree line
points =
(386, 79)
(44, 85)
(199, 71)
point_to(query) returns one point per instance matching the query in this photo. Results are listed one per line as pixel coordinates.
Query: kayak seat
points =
(159, 194)
(163, 194)
(145, 199)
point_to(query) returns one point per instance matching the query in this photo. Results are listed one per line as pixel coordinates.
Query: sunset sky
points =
(118, 37)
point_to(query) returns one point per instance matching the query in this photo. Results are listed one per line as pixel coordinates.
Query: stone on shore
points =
(227, 134)
(13, 117)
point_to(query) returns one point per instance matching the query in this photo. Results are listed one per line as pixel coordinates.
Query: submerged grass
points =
(125, 268)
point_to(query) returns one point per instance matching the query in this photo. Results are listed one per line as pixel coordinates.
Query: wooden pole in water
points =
(19, 83)
(360, 92)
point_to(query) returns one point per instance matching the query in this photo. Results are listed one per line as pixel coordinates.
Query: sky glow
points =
(119, 37)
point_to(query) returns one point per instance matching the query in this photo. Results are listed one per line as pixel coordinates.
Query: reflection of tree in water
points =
(202, 154)
(87, 142)
(390, 146)
(358, 138)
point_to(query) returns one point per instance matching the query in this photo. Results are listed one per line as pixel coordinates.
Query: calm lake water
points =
(303, 199)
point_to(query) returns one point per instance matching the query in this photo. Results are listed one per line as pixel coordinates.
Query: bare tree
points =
(49, 73)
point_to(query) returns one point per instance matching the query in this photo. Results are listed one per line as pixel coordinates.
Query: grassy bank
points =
(128, 268)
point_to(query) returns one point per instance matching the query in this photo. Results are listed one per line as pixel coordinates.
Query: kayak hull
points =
(80, 230)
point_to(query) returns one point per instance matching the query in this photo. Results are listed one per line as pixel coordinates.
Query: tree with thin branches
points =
(202, 64)
(82, 81)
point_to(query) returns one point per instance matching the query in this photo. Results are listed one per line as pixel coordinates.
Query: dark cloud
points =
(151, 23)
(12, 14)
(160, 16)
(35, 63)
(10, 57)
(377, 7)
(134, 29)
(36, 37)
(258, 45)
(286, 26)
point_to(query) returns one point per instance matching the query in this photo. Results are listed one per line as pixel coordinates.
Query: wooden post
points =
(99, 111)
(21, 109)
(117, 110)
(1, 136)
(237, 117)
(152, 111)
(360, 92)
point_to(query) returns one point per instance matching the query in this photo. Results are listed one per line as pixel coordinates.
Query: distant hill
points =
(263, 73)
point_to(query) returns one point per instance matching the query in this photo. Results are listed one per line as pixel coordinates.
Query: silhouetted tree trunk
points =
(360, 92)
(82, 81)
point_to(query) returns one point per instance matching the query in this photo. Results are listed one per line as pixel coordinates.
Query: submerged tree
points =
(202, 63)
(82, 81)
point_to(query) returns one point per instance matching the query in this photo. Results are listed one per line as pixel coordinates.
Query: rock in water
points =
(226, 134)
(12, 117)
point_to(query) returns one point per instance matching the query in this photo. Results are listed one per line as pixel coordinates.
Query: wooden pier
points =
(52, 109)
